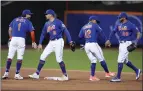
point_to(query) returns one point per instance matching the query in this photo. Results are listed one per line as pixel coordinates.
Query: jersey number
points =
(19, 26)
(125, 34)
(87, 33)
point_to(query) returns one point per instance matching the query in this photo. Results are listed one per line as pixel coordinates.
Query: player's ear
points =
(55, 15)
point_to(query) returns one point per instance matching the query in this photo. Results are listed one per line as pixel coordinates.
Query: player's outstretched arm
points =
(138, 34)
(34, 45)
(31, 30)
(42, 37)
(40, 41)
(108, 43)
(81, 34)
(72, 43)
(66, 32)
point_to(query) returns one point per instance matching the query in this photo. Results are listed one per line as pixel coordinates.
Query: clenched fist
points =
(39, 47)
(108, 43)
(34, 45)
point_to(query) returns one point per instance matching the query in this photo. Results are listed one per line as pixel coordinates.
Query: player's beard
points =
(121, 20)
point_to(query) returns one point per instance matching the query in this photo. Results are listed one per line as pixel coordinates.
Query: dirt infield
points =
(78, 81)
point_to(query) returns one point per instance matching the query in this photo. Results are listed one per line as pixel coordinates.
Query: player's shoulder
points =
(60, 23)
(15, 18)
(57, 20)
(47, 22)
(88, 25)
(95, 25)
(118, 23)
(27, 20)
(131, 24)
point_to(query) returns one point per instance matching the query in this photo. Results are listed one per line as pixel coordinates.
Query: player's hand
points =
(108, 43)
(34, 45)
(72, 45)
(39, 47)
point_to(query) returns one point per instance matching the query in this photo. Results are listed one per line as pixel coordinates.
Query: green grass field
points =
(77, 60)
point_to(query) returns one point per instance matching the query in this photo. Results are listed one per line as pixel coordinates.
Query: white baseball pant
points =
(16, 44)
(54, 46)
(94, 52)
(123, 52)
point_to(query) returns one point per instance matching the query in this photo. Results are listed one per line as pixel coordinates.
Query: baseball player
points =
(17, 34)
(126, 32)
(55, 28)
(89, 32)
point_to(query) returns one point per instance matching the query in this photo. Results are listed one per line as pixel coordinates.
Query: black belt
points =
(122, 41)
(55, 39)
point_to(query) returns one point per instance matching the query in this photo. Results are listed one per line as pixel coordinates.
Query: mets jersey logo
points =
(120, 28)
(50, 28)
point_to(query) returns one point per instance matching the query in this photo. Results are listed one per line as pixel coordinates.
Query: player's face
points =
(48, 16)
(122, 20)
(28, 16)
(94, 21)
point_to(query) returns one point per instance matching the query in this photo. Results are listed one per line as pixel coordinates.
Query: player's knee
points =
(100, 60)
(120, 61)
(59, 61)
(10, 56)
(42, 57)
(93, 61)
(126, 61)
(42, 61)
(20, 57)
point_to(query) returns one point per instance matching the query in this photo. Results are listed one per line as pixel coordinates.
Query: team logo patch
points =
(121, 28)
(50, 28)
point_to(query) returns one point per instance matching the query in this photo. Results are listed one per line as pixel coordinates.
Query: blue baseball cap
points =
(50, 11)
(26, 11)
(123, 15)
(94, 18)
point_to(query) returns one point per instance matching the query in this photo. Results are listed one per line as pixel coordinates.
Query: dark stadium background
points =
(12, 9)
